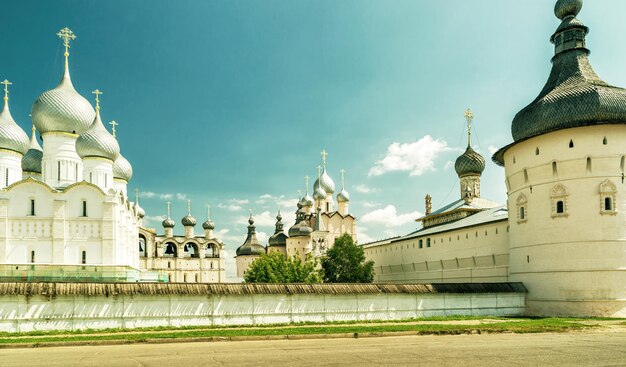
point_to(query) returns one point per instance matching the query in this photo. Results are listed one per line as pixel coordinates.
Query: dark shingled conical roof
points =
(251, 245)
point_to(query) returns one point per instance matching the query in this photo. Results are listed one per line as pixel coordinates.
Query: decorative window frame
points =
(522, 203)
(608, 190)
(559, 193)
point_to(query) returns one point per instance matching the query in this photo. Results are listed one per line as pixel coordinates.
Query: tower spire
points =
(324, 156)
(6, 92)
(113, 130)
(469, 117)
(343, 171)
(66, 35)
(306, 180)
(97, 92)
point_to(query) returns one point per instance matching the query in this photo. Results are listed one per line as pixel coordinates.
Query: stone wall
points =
(87, 307)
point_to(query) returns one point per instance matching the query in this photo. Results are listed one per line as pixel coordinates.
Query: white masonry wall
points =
(75, 312)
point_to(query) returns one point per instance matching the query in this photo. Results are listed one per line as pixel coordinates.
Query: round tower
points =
(249, 251)
(565, 185)
(278, 241)
(13, 144)
(61, 115)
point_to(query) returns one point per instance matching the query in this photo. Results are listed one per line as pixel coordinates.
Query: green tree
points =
(345, 263)
(277, 268)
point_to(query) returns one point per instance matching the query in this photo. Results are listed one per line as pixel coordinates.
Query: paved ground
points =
(606, 348)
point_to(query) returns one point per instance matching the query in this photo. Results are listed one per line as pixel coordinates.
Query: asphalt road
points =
(570, 349)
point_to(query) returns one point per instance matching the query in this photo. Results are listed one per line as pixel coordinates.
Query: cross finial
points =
(66, 35)
(343, 171)
(33, 129)
(188, 207)
(469, 117)
(319, 172)
(306, 180)
(168, 209)
(6, 92)
(113, 130)
(97, 92)
(324, 155)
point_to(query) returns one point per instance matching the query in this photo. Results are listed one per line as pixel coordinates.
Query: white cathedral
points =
(64, 209)
(318, 224)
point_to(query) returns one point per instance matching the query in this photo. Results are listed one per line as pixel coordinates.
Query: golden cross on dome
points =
(66, 35)
(97, 92)
(33, 129)
(113, 125)
(324, 155)
(6, 91)
(343, 171)
(469, 117)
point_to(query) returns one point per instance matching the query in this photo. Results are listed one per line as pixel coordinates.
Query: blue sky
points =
(230, 102)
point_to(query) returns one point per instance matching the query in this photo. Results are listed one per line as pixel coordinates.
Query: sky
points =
(229, 103)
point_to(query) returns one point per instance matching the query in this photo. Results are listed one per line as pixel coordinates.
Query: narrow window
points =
(605, 141)
(196, 278)
(525, 176)
(106, 180)
(571, 143)
(522, 213)
(513, 160)
(32, 207)
(428, 242)
(59, 171)
(554, 169)
(84, 258)
(32, 257)
(90, 177)
(621, 163)
(588, 165)
(84, 208)
(211, 264)
(560, 207)
(76, 171)
(185, 278)
(327, 207)
(421, 244)
(608, 204)
(169, 265)
(537, 151)
(6, 178)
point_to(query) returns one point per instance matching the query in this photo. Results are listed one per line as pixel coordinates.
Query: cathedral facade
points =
(318, 223)
(562, 230)
(64, 209)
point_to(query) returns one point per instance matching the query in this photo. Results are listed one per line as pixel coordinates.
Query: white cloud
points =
(262, 237)
(151, 220)
(364, 189)
(369, 204)
(264, 219)
(417, 157)
(239, 201)
(389, 217)
(160, 196)
(230, 266)
(492, 150)
(147, 194)
(230, 207)
(281, 201)
(362, 236)
(180, 196)
(449, 165)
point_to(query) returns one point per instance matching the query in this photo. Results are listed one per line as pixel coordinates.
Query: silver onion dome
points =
(325, 182)
(343, 196)
(97, 142)
(62, 109)
(188, 221)
(122, 169)
(31, 162)
(12, 137)
(208, 224)
(168, 223)
(307, 200)
(319, 193)
(567, 8)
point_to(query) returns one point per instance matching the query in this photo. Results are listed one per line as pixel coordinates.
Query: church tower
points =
(565, 185)
(469, 165)
(13, 144)
(61, 115)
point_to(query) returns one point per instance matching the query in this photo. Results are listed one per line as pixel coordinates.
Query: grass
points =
(514, 325)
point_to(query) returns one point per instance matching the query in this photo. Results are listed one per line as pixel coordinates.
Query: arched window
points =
(608, 197)
(588, 168)
(191, 250)
(605, 141)
(555, 172)
(142, 246)
(522, 204)
(525, 176)
(559, 195)
(170, 250)
(571, 143)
